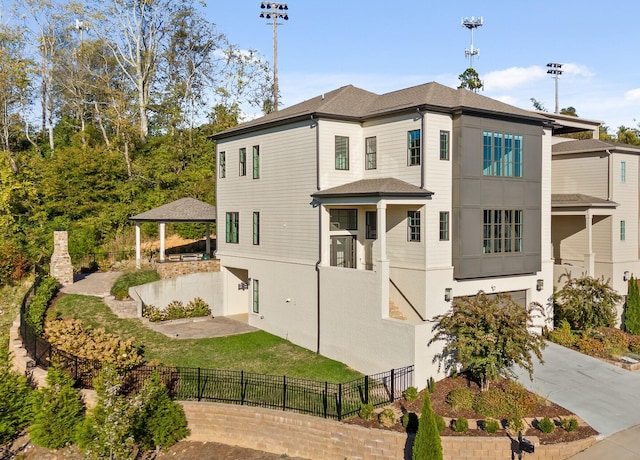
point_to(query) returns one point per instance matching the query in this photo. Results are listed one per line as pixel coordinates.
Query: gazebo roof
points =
(182, 210)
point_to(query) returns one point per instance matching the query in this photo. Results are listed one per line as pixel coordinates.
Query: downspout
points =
(609, 176)
(319, 235)
(422, 157)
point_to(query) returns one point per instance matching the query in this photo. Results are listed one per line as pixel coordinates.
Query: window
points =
(370, 152)
(444, 226)
(256, 228)
(371, 222)
(623, 171)
(344, 219)
(413, 147)
(256, 296)
(502, 231)
(444, 145)
(622, 230)
(223, 165)
(342, 152)
(232, 227)
(413, 225)
(256, 162)
(243, 162)
(501, 154)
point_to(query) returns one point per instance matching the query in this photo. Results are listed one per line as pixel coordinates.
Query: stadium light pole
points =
(273, 11)
(555, 70)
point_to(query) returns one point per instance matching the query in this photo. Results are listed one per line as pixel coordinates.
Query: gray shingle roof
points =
(357, 104)
(375, 187)
(182, 210)
(592, 145)
(579, 200)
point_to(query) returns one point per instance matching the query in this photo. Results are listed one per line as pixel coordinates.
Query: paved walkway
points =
(603, 395)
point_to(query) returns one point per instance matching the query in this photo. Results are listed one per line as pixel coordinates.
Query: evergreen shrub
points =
(546, 425)
(366, 411)
(411, 394)
(460, 425)
(427, 444)
(569, 423)
(15, 397)
(490, 425)
(387, 418)
(632, 308)
(460, 398)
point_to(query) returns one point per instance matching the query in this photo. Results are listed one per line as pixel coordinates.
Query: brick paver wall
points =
(170, 270)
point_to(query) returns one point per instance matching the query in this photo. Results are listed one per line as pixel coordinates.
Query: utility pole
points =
(555, 70)
(274, 11)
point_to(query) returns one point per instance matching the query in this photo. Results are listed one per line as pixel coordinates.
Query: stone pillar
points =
(61, 268)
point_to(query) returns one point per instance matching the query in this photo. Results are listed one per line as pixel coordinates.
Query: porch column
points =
(208, 241)
(381, 225)
(589, 257)
(161, 241)
(383, 263)
(138, 245)
(323, 236)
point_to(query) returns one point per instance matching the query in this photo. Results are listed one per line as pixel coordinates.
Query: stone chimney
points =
(61, 268)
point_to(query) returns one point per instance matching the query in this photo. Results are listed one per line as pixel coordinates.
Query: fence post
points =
(393, 385)
(366, 389)
(324, 398)
(284, 392)
(199, 389)
(242, 388)
(339, 401)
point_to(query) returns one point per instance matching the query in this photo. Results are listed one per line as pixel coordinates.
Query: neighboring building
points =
(348, 221)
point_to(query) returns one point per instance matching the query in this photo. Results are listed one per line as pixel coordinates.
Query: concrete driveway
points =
(603, 395)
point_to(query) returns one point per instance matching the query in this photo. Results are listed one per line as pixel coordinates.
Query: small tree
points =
(488, 335)
(469, 79)
(586, 303)
(632, 308)
(15, 407)
(427, 444)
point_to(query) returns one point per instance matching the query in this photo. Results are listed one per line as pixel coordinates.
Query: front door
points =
(343, 251)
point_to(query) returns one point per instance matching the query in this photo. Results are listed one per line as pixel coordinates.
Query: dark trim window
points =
(502, 231)
(413, 147)
(344, 219)
(444, 226)
(371, 224)
(232, 227)
(222, 163)
(256, 162)
(370, 145)
(256, 228)
(501, 154)
(623, 230)
(256, 296)
(444, 145)
(342, 152)
(242, 161)
(413, 225)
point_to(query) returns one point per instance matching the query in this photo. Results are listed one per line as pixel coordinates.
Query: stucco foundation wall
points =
(316, 438)
(206, 285)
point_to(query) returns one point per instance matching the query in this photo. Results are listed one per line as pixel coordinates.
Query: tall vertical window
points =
(371, 223)
(243, 161)
(623, 230)
(370, 152)
(256, 228)
(232, 227)
(623, 171)
(444, 145)
(256, 296)
(502, 231)
(444, 226)
(222, 164)
(256, 162)
(413, 147)
(501, 154)
(413, 225)
(342, 152)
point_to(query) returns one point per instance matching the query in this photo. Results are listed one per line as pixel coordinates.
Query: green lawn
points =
(258, 352)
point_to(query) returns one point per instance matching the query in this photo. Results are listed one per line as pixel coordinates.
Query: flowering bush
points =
(176, 310)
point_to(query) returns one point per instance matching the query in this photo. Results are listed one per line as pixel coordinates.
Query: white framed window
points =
(444, 226)
(444, 145)
(413, 226)
(342, 152)
(370, 145)
(623, 230)
(623, 171)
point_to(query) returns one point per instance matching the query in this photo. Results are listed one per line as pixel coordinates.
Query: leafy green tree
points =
(626, 135)
(58, 411)
(539, 106)
(15, 395)
(632, 308)
(585, 303)
(571, 111)
(427, 444)
(469, 79)
(487, 335)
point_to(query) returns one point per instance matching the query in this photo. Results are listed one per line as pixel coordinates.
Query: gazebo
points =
(185, 210)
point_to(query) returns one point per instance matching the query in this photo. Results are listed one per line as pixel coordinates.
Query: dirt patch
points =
(544, 408)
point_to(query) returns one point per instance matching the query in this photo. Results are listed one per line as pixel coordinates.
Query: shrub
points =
(366, 411)
(569, 423)
(427, 444)
(490, 403)
(563, 335)
(58, 411)
(431, 385)
(153, 313)
(440, 423)
(460, 398)
(615, 341)
(120, 289)
(176, 310)
(590, 346)
(490, 425)
(632, 308)
(410, 422)
(546, 425)
(514, 425)
(460, 425)
(387, 418)
(37, 310)
(411, 394)
(196, 308)
(15, 397)
(519, 401)
(634, 343)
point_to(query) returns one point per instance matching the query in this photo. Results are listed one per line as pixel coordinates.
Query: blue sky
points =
(385, 46)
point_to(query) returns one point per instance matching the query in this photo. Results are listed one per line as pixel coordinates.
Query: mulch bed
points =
(440, 406)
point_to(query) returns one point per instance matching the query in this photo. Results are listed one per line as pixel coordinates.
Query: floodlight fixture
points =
(555, 69)
(274, 13)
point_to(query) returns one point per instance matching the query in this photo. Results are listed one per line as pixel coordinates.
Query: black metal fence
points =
(323, 399)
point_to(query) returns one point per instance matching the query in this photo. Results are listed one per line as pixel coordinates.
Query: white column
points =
(208, 243)
(323, 235)
(381, 224)
(162, 241)
(137, 244)
(589, 257)
(383, 263)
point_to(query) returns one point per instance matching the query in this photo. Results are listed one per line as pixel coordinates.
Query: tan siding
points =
(580, 174)
(329, 176)
(626, 195)
(403, 253)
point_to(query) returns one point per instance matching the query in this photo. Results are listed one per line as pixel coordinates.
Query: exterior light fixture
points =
(625, 276)
(539, 285)
(447, 295)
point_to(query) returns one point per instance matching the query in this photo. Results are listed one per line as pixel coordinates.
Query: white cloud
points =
(577, 70)
(632, 95)
(513, 77)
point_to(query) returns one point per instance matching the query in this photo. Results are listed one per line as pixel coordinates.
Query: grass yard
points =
(258, 352)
